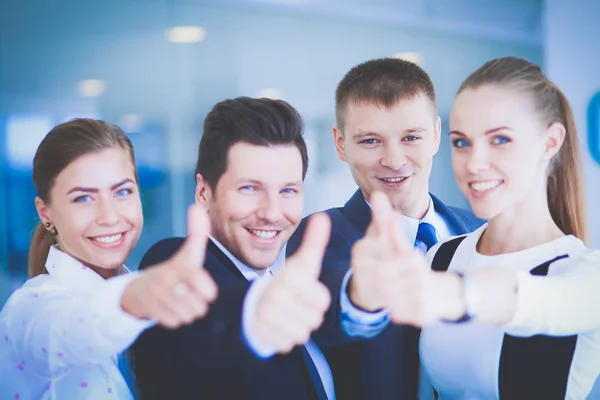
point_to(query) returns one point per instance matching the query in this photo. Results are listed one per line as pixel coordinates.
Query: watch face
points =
(594, 127)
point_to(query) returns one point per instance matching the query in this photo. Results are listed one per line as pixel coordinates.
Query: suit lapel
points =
(357, 211)
(225, 263)
(455, 223)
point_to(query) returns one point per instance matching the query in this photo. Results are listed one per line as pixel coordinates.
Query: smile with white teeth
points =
(393, 180)
(108, 239)
(263, 234)
(484, 186)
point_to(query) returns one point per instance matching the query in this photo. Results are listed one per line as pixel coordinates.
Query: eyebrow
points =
(488, 132)
(259, 183)
(95, 190)
(371, 133)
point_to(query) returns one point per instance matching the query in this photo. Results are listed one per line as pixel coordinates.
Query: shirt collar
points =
(250, 273)
(411, 225)
(72, 272)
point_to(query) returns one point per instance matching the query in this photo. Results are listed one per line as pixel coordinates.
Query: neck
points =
(259, 271)
(105, 273)
(417, 209)
(525, 225)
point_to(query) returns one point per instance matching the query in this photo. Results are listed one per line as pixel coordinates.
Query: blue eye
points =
(82, 199)
(411, 138)
(500, 140)
(289, 192)
(124, 192)
(248, 188)
(369, 141)
(460, 143)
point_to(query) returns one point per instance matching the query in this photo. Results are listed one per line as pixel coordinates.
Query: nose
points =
(393, 157)
(269, 209)
(107, 212)
(478, 159)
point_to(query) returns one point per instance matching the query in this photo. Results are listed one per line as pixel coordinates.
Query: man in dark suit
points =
(251, 167)
(387, 130)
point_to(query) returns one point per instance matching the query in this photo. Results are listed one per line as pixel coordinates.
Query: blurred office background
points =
(155, 67)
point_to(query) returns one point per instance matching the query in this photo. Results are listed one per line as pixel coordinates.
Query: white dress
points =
(61, 333)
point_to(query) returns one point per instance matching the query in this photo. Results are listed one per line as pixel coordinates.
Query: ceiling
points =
(512, 20)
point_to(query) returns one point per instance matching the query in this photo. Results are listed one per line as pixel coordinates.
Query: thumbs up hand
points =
(293, 303)
(384, 265)
(179, 290)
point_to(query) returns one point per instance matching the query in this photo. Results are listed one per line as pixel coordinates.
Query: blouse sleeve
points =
(64, 328)
(564, 304)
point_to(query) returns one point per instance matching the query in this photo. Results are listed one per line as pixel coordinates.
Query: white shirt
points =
(560, 315)
(462, 360)
(249, 309)
(61, 333)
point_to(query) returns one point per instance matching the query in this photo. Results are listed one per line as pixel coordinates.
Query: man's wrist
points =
(357, 301)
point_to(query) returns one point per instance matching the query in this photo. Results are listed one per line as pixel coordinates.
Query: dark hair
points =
(264, 122)
(61, 146)
(382, 82)
(565, 177)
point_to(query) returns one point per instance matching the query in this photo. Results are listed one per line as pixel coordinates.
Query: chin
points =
(485, 213)
(110, 263)
(262, 261)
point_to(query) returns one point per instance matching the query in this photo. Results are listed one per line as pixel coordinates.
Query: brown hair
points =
(61, 146)
(382, 82)
(565, 188)
(264, 122)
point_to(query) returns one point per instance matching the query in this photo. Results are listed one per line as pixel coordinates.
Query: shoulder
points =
(339, 230)
(161, 251)
(454, 247)
(449, 242)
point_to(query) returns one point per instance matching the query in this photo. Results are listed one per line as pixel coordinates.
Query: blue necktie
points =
(426, 237)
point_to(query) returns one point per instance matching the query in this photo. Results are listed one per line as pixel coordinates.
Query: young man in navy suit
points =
(387, 130)
(249, 176)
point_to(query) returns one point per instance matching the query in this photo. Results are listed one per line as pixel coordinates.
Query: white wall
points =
(572, 61)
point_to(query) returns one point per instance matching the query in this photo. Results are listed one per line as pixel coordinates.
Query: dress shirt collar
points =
(410, 225)
(72, 272)
(249, 273)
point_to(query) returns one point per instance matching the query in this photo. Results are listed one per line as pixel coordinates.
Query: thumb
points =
(309, 255)
(193, 251)
(381, 214)
(398, 242)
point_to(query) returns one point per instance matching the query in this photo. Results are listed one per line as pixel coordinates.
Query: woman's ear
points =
(556, 137)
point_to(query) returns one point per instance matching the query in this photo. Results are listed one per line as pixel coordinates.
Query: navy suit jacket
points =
(387, 366)
(210, 359)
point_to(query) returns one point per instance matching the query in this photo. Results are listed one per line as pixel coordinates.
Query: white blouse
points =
(462, 360)
(61, 333)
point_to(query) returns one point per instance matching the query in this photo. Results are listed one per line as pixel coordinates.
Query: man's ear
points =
(338, 140)
(203, 195)
(437, 134)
